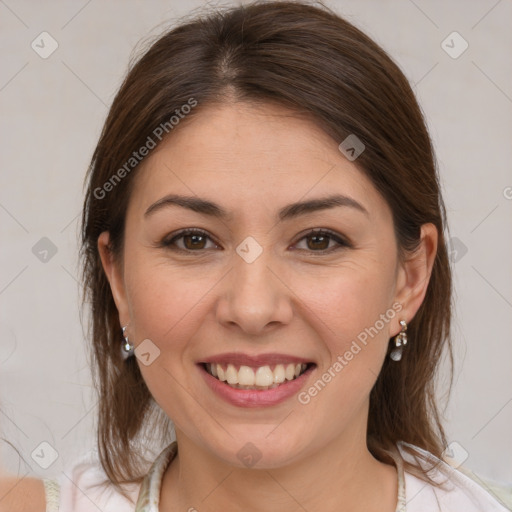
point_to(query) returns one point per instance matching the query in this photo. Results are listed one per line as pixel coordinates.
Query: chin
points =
(261, 451)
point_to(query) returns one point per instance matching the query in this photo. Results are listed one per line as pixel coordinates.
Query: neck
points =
(341, 475)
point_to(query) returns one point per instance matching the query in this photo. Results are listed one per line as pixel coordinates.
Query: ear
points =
(414, 274)
(114, 274)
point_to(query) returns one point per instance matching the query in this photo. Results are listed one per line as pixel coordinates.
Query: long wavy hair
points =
(309, 59)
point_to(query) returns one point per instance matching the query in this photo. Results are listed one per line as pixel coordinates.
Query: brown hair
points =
(312, 61)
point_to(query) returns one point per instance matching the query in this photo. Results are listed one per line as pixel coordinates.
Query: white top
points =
(74, 491)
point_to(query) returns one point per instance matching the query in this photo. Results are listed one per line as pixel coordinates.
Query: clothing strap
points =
(52, 493)
(399, 463)
(149, 493)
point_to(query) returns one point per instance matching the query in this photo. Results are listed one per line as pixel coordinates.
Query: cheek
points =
(168, 309)
(165, 300)
(351, 312)
(348, 300)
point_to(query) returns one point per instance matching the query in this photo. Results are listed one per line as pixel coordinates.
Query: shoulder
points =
(457, 492)
(21, 494)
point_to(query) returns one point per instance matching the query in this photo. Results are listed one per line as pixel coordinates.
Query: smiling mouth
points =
(256, 378)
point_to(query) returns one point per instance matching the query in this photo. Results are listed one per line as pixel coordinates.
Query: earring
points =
(127, 349)
(400, 342)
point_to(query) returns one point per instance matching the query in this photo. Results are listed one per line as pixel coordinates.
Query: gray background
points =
(52, 113)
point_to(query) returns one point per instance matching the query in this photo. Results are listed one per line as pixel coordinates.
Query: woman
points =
(264, 252)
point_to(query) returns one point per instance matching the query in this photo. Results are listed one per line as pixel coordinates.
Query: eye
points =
(191, 240)
(319, 240)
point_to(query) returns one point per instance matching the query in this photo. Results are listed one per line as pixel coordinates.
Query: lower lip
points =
(253, 397)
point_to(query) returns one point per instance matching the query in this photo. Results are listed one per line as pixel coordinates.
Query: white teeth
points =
(231, 374)
(263, 378)
(221, 375)
(279, 374)
(245, 376)
(289, 371)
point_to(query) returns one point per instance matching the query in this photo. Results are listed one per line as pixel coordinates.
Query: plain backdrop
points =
(52, 111)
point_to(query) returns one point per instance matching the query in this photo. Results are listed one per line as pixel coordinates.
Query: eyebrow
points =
(290, 211)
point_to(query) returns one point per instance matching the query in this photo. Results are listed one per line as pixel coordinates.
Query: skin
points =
(21, 494)
(292, 299)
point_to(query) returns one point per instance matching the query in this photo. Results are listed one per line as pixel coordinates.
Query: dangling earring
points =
(400, 342)
(128, 348)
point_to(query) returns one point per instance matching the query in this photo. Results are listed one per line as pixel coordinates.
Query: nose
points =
(254, 297)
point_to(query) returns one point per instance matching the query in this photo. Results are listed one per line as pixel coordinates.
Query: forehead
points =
(251, 156)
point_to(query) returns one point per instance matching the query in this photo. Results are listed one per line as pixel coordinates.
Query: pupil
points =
(195, 240)
(320, 239)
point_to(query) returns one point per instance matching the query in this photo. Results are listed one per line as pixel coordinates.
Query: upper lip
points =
(237, 358)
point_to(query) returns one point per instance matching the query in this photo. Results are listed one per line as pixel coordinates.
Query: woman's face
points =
(256, 282)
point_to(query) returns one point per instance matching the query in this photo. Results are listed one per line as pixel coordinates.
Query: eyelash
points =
(343, 243)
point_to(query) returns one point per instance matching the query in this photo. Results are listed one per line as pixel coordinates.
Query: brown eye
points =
(189, 240)
(321, 241)
(194, 241)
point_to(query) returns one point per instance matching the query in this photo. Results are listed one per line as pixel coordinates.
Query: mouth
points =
(258, 378)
